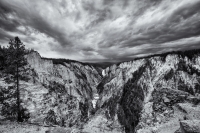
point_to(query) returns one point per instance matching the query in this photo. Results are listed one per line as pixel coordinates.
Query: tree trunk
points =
(18, 99)
(19, 119)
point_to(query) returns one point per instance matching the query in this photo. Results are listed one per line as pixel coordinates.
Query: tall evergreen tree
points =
(15, 67)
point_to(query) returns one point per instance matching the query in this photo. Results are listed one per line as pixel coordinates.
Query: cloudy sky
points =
(101, 30)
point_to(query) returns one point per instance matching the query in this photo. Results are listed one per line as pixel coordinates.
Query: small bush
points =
(10, 112)
(53, 119)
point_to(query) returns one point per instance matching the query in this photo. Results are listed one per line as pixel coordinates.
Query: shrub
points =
(10, 112)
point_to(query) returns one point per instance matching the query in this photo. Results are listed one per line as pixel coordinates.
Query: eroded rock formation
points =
(144, 94)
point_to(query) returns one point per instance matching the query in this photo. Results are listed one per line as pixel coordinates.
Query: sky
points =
(101, 30)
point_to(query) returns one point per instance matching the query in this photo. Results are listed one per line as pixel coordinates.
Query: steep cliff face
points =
(143, 94)
(73, 74)
(67, 88)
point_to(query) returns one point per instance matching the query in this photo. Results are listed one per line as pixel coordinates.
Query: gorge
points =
(155, 94)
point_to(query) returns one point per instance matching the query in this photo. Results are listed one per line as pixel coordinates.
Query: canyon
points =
(155, 94)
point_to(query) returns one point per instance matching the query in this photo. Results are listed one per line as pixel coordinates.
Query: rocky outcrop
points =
(144, 93)
(190, 126)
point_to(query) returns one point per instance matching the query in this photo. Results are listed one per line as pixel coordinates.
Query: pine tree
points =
(2, 52)
(15, 67)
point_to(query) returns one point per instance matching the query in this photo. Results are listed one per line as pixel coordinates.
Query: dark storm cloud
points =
(29, 19)
(170, 31)
(43, 26)
(4, 35)
(88, 49)
(5, 23)
(102, 30)
(9, 25)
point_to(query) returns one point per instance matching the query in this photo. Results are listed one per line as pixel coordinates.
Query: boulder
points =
(166, 100)
(190, 126)
(178, 131)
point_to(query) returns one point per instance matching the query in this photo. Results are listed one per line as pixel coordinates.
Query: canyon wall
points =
(65, 87)
(145, 95)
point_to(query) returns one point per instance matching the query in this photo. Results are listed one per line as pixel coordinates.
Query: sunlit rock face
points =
(144, 93)
(52, 84)
(72, 74)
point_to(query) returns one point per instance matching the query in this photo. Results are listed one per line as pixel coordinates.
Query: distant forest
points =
(187, 53)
